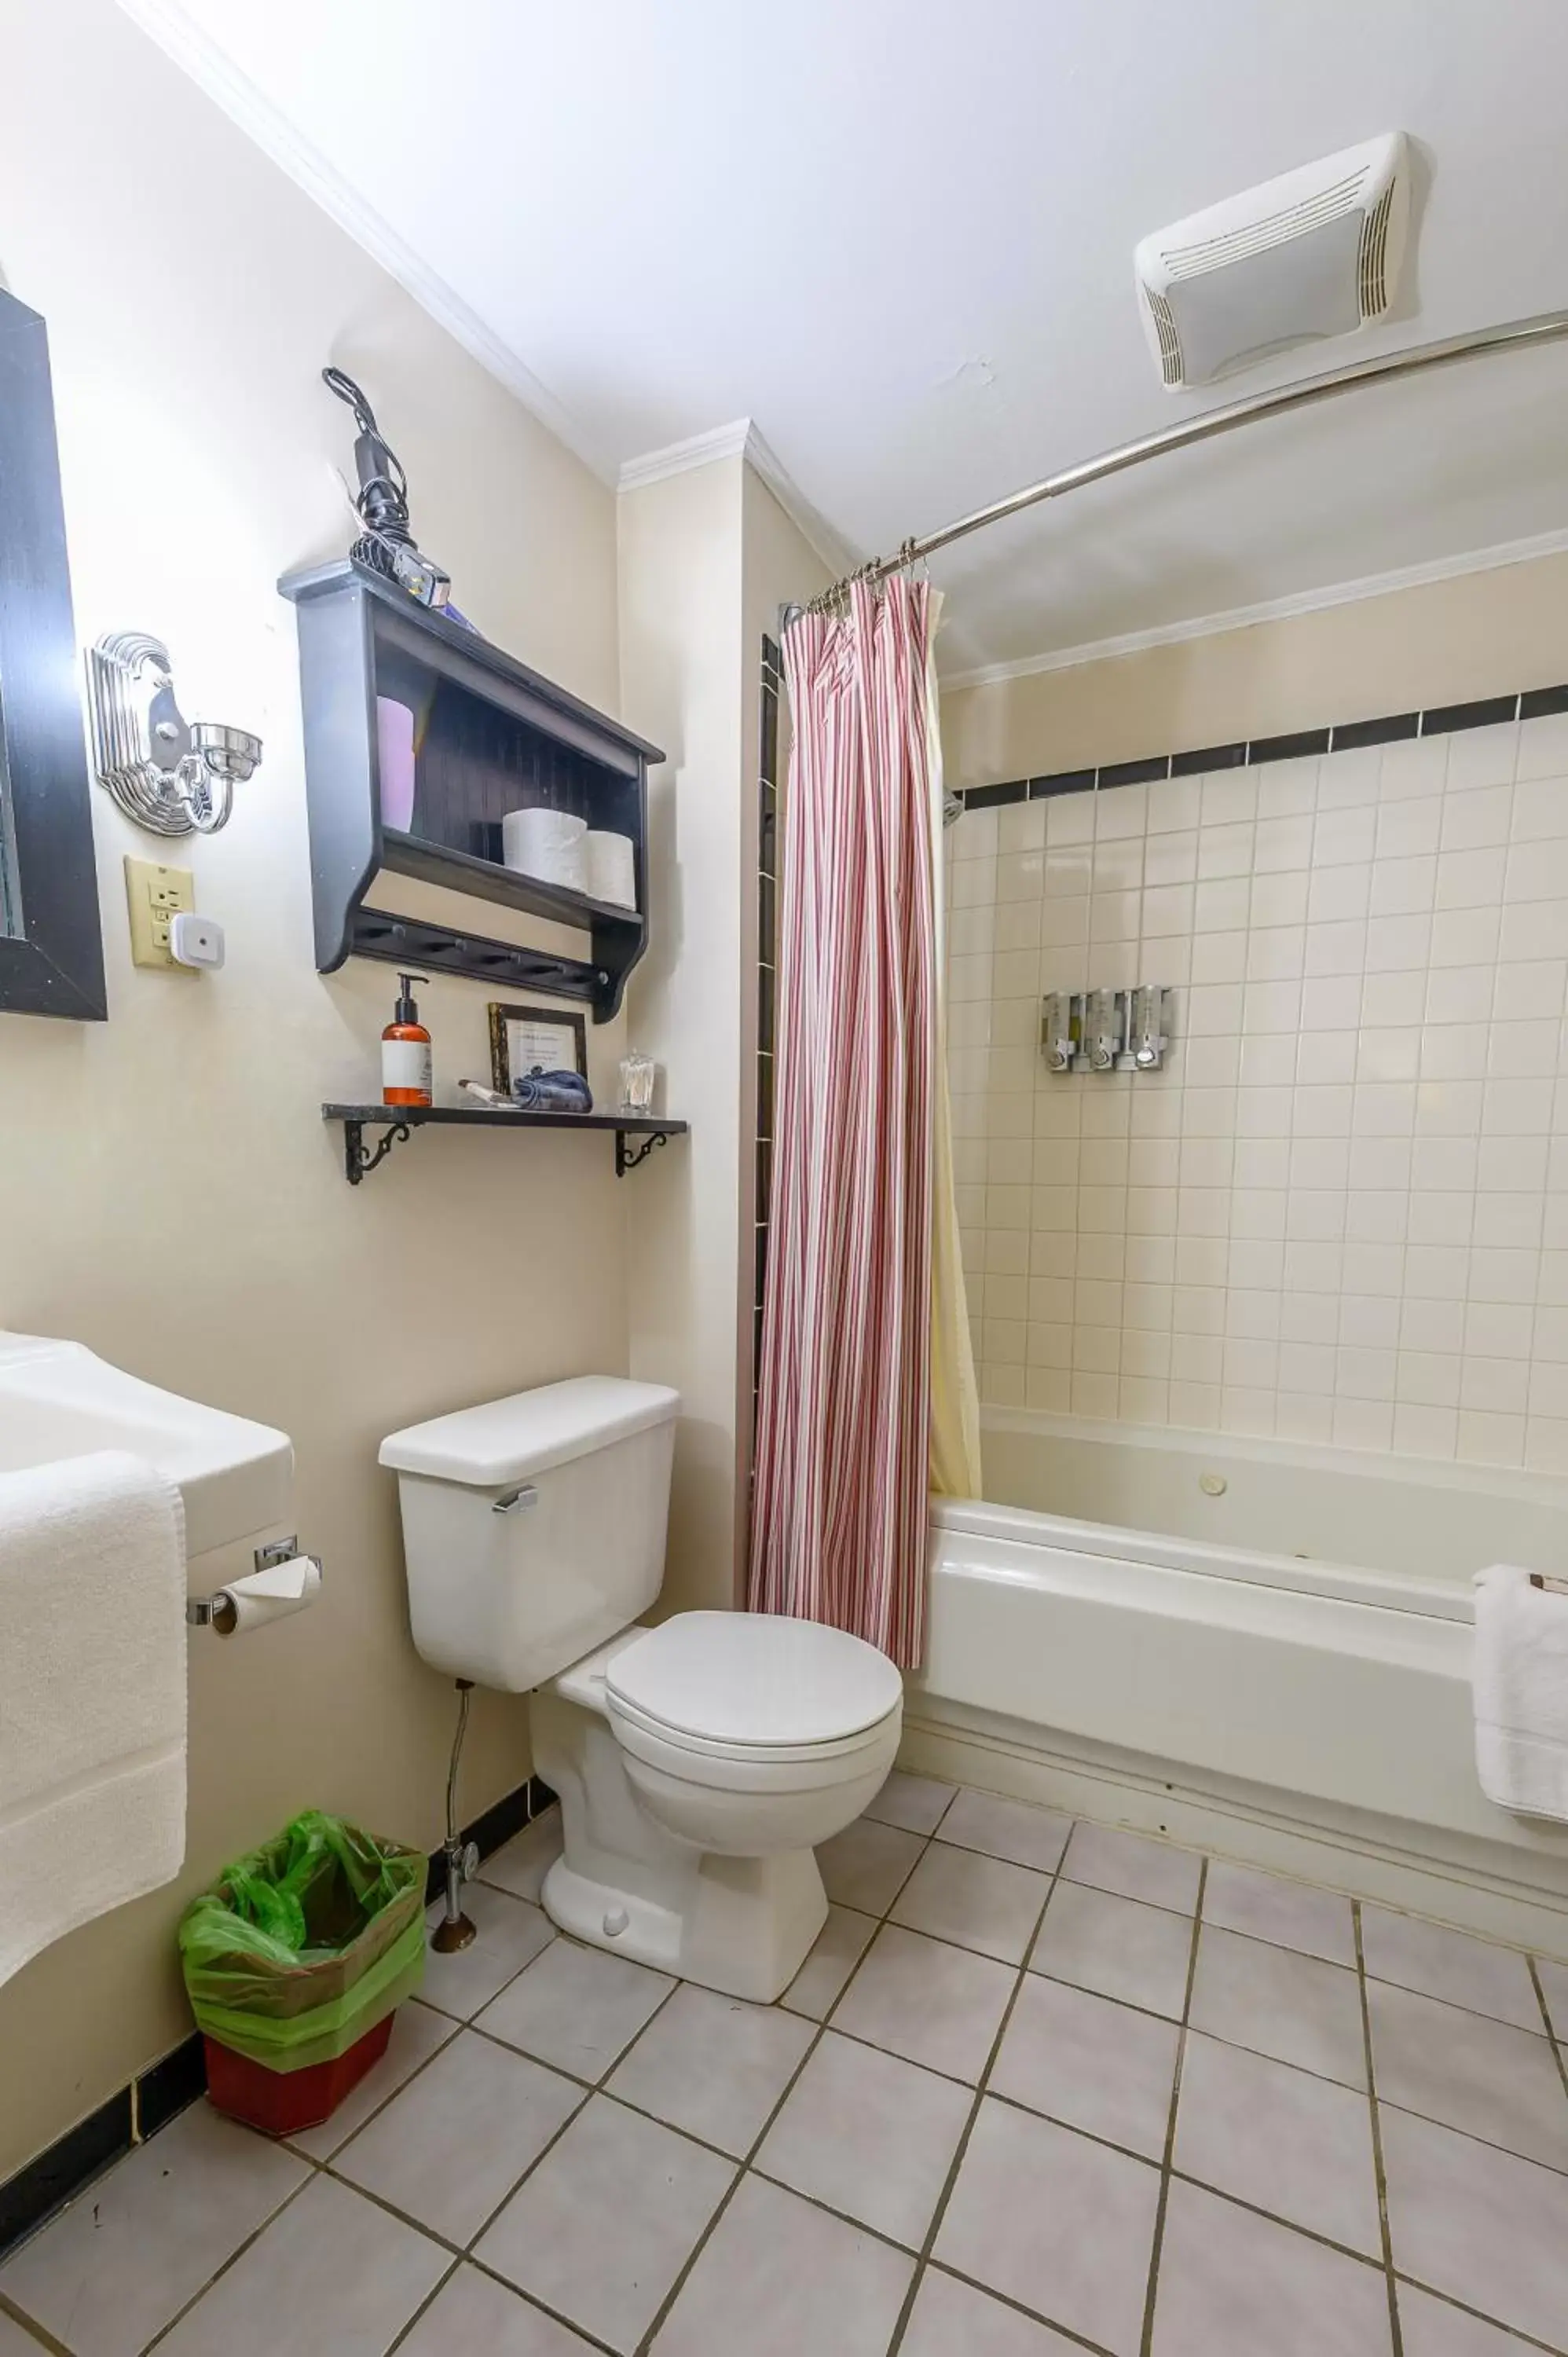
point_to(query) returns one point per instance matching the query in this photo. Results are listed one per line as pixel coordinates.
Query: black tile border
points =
(1135, 773)
(1210, 756)
(168, 2087)
(1301, 744)
(1343, 736)
(992, 797)
(1489, 712)
(1350, 736)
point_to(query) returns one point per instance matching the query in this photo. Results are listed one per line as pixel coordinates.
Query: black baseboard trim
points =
(83, 2153)
(165, 2088)
(488, 1832)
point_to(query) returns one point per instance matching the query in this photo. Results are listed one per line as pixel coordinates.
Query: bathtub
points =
(1282, 1632)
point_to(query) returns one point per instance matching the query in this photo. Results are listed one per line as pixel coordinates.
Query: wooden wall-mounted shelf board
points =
(492, 736)
(398, 1122)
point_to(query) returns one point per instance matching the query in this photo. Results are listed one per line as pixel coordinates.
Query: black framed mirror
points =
(51, 942)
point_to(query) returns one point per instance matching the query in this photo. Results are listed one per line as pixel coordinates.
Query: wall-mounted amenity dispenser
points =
(1105, 1030)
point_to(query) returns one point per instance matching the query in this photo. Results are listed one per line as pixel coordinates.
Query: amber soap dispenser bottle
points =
(405, 1050)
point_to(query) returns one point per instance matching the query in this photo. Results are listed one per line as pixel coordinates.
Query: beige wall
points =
(169, 1193)
(1451, 640)
(680, 553)
(706, 558)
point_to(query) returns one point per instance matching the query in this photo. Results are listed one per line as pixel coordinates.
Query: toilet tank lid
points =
(509, 1439)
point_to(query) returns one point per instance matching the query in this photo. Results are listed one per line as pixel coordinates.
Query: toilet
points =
(698, 1763)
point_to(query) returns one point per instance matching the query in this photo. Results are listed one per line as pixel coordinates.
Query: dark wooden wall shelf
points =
(398, 1123)
(493, 736)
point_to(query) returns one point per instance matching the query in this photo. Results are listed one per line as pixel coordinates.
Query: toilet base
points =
(741, 1925)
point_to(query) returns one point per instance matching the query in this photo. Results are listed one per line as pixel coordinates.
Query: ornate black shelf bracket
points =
(360, 1160)
(629, 1157)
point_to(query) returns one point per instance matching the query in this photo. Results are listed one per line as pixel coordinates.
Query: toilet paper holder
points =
(217, 1611)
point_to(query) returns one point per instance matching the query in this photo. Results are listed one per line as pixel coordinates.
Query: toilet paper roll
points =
(609, 862)
(547, 844)
(269, 1595)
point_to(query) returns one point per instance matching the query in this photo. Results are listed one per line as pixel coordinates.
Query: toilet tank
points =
(534, 1526)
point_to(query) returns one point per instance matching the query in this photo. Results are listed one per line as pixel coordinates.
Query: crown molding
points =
(731, 441)
(1273, 609)
(743, 438)
(167, 22)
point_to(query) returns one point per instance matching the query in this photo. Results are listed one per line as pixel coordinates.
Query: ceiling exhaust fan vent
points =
(1314, 252)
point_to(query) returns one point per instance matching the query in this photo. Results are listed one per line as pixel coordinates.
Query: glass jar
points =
(638, 1074)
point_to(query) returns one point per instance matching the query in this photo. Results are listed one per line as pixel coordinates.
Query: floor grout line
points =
(1396, 2328)
(36, 2332)
(745, 2166)
(1526, 2339)
(1146, 2342)
(980, 2091)
(1552, 2037)
(955, 2166)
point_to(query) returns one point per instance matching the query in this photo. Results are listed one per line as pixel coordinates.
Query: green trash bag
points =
(306, 1943)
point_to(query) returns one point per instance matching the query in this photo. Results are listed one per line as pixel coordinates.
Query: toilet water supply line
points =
(455, 1930)
(1513, 335)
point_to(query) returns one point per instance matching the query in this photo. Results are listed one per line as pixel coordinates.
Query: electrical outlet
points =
(156, 895)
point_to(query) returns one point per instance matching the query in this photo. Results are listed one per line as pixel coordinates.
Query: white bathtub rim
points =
(1021, 1527)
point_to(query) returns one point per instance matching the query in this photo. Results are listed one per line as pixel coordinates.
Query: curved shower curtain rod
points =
(1545, 328)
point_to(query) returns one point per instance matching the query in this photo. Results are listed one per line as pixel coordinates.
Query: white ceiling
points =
(897, 235)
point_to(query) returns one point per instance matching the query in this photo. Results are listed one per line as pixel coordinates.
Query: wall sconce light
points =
(170, 775)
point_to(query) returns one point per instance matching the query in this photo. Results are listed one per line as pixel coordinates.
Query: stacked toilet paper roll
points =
(610, 864)
(547, 844)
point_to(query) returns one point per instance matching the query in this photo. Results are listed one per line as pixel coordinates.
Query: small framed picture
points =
(526, 1040)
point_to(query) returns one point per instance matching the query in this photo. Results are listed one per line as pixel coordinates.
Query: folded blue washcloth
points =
(542, 1092)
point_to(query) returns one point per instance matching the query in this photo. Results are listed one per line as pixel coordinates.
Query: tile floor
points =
(1039, 2089)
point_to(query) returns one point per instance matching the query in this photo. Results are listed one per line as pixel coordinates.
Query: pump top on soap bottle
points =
(406, 1069)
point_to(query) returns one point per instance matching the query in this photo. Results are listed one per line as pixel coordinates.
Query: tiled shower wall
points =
(1341, 1212)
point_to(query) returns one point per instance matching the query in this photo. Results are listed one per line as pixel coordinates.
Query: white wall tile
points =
(1405, 830)
(1173, 803)
(1341, 1214)
(1476, 880)
(1021, 826)
(1491, 1439)
(1415, 765)
(1543, 746)
(1482, 757)
(1287, 789)
(1284, 846)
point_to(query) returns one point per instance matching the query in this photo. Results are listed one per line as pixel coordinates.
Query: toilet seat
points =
(761, 1688)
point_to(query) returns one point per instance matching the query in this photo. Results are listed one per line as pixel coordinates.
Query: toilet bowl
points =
(698, 1763)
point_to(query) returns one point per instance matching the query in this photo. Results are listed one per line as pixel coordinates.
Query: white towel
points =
(91, 1693)
(1521, 1680)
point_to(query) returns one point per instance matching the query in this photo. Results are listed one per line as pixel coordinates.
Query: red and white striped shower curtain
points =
(839, 1509)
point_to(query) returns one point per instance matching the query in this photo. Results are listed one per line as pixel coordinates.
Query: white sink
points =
(57, 1399)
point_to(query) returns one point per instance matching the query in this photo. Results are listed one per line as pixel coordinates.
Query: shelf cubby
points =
(492, 736)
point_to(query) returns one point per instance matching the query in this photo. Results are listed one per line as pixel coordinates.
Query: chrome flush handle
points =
(517, 1501)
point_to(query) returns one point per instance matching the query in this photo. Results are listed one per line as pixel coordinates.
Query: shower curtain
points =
(847, 1383)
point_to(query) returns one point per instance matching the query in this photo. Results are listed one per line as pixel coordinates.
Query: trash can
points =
(294, 1964)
